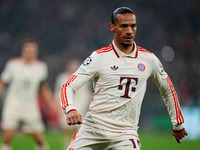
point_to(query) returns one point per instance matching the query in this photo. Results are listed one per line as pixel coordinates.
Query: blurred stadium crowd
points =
(75, 28)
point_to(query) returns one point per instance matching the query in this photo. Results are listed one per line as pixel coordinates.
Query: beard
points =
(126, 45)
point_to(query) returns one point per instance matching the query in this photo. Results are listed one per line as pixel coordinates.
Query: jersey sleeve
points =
(6, 75)
(85, 72)
(44, 73)
(163, 82)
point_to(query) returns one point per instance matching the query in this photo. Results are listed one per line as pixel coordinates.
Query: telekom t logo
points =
(127, 86)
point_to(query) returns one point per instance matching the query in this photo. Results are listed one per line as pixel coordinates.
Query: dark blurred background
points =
(75, 28)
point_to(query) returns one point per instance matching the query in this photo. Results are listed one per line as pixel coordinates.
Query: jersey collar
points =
(119, 53)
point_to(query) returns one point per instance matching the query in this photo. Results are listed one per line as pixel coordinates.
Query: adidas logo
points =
(114, 67)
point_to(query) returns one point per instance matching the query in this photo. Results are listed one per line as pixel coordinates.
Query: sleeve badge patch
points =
(82, 69)
(87, 61)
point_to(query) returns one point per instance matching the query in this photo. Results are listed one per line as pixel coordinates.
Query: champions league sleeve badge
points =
(87, 61)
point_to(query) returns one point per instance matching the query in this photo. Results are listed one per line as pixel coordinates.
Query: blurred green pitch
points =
(149, 141)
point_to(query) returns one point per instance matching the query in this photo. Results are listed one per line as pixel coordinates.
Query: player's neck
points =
(125, 49)
(28, 61)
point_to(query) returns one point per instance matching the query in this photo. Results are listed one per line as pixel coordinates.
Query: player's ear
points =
(112, 27)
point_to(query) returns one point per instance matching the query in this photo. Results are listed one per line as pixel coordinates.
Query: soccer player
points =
(119, 72)
(26, 76)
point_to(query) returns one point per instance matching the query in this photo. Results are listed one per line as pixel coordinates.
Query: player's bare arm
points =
(47, 95)
(179, 135)
(2, 84)
(73, 117)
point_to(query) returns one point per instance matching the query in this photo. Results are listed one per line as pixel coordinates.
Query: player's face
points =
(124, 29)
(30, 51)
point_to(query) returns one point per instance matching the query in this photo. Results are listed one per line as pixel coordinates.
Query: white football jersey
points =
(81, 99)
(24, 81)
(119, 82)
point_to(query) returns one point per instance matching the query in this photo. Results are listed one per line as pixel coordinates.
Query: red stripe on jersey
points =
(66, 101)
(179, 115)
(143, 50)
(62, 98)
(69, 80)
(74, 77)
(136, 53)
(180, 118)
(104, 49)
(74, 136)
(63, 93)
(115, 51)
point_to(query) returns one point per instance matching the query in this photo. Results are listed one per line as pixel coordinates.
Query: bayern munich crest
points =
(141, 67)
(87, 61)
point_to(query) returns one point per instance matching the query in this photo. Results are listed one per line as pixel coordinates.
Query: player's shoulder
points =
(143, 50)
(148, 54)
(15, 61)
(99, 54)
(40, 63)
(104, 49)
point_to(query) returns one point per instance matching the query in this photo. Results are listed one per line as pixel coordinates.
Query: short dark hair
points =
(120, 10)
(28, 40)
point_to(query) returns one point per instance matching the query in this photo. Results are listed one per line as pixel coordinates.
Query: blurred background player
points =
(26, 76)
(81, 98)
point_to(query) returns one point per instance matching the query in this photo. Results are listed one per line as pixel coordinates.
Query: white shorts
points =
(90, 138)
(30, 119)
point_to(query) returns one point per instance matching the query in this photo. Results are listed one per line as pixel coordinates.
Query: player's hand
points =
(73, 117)
(179, 135)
